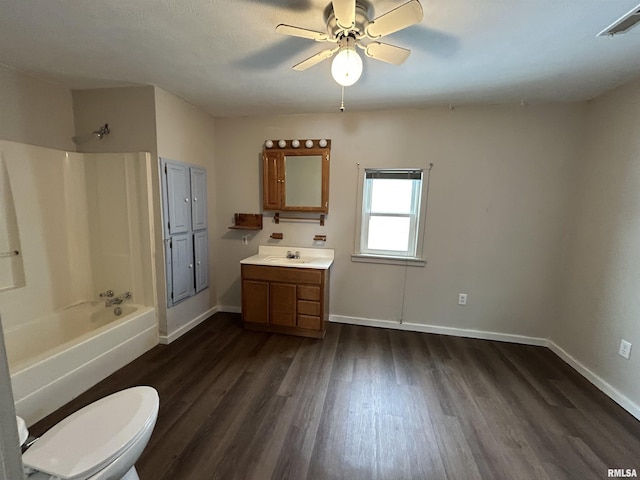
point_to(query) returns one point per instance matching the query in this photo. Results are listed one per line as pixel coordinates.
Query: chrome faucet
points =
(117, 300)
(112, 301)
(290, 254)
(108, 293)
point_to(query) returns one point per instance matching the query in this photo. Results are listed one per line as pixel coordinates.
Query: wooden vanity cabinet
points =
(293, 301)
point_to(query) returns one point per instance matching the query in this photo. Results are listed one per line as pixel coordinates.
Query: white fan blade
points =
(302, 32)
(317, 58)
(404, 16)
(387, 53)
(345, 12)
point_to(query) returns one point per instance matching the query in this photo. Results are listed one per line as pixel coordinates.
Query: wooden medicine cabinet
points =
(295, 175)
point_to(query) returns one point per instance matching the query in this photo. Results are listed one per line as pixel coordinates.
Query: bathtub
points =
(54, 359)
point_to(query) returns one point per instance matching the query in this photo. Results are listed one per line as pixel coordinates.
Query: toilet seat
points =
(87, 441)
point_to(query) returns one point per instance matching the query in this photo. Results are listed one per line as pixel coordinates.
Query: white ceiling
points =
(225, 57)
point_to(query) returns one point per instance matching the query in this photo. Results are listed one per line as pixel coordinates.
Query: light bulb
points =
(347, 66)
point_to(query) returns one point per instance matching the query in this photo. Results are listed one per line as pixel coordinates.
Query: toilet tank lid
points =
(91, 438)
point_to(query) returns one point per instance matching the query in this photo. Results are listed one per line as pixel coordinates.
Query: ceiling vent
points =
(623, 24)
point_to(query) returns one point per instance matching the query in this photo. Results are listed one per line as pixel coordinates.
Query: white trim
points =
(167, 339)
(229, 308)
(456, 332)
(614, 394)
(388, 260)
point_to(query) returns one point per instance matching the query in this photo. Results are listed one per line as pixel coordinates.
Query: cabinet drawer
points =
(282, 274)
(309, 293)
(308, 308)
(310, 322)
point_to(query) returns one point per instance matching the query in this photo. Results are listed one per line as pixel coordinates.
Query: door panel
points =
(178, 198)
(201, 248)
(255, 301)
(198, 198)
(182, 275)
(283, 304)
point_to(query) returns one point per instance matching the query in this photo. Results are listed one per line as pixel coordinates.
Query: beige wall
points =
(495, 219)
(185, 134)
(35, 112)
(130, 113)
(600, 288)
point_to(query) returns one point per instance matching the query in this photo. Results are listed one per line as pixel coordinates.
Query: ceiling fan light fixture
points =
(347, 64)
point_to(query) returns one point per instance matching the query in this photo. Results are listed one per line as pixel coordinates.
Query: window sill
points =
(388, 260)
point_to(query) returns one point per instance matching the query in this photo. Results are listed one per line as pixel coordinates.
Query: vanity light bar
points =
(318, 142)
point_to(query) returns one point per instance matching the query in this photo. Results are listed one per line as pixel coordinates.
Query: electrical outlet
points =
(625, 349)
(245, 239)
(462, 299)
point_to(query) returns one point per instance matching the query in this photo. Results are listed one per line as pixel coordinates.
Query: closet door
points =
(198, 198)
(178, 197)
(182, 268)
(201, 247)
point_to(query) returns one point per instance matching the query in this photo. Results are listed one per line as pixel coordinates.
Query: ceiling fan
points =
(349, 26)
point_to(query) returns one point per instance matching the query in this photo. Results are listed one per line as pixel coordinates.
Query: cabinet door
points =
(282, 306)
(178, 197)
(198, 198)
(272, 179)
(255, 301)
(201, 249)
(182, 277)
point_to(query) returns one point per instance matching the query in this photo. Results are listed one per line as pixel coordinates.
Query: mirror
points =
(295, 176)
(303, 180)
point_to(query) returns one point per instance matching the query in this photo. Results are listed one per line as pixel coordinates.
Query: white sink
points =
(286, 260)
(277, 256)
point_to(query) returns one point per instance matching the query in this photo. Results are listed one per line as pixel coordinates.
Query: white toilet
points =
(102, 441)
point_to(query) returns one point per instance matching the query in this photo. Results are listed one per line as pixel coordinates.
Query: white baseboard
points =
(167, 339)
(618, 397)
(229, 309)
(615, 395)
(456, 332)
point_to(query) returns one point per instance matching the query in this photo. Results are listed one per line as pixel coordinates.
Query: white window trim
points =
(386, 257)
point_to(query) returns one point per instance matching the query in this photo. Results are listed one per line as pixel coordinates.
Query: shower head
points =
(102, 131)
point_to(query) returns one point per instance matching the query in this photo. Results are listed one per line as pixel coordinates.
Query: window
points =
(390, 213)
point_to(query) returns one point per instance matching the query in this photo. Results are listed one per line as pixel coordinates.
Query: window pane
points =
(388, 233)
(391, 196)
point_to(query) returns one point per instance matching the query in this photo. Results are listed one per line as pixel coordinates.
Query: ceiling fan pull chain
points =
(342, 101)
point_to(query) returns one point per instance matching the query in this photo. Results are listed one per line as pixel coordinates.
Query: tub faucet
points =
(117, 300)
(112, 301)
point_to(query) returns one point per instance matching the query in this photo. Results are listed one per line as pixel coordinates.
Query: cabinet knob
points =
(195, 199)
(197, 263)
(186, 200)
(191, 265)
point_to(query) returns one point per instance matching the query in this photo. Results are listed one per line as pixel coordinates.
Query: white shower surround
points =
(85, 226)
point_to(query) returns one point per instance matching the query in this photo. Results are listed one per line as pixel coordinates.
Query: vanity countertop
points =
(276, 256)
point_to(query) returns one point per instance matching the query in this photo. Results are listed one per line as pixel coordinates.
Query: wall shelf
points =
(247, 221)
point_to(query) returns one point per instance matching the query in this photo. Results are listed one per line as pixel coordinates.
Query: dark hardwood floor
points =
(367, 403)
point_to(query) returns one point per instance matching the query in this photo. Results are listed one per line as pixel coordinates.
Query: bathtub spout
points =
(117, 300)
